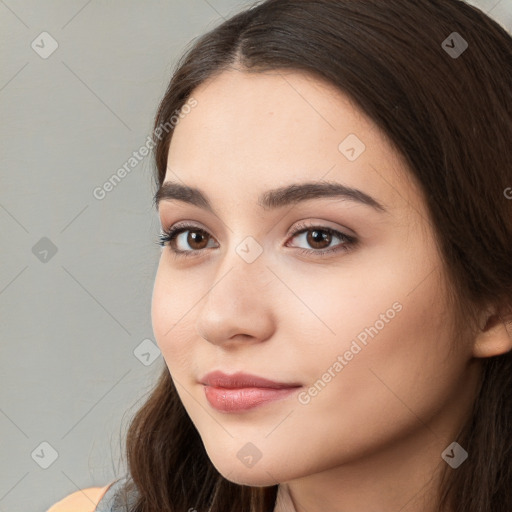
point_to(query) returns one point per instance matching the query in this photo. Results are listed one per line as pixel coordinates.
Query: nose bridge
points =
(242, 275)
(245, 262)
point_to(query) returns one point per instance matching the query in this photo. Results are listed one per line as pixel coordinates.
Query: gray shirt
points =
(113, 500)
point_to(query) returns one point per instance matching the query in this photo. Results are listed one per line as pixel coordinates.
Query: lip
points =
(241, 391)
(243, 380)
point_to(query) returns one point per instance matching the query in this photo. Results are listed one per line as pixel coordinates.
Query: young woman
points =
(334, 295)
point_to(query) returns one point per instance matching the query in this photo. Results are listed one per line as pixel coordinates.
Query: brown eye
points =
(185, 240)
(197, 239)
(318, 238)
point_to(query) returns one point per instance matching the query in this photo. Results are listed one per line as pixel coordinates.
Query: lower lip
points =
(230, 400)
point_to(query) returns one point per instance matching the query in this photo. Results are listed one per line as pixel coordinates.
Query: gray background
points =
(75, 323)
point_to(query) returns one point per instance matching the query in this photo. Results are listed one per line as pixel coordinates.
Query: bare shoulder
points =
(84, 500)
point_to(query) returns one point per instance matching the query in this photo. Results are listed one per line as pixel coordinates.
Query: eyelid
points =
(322, 224)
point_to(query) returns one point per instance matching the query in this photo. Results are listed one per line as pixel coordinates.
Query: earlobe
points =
(495, 336)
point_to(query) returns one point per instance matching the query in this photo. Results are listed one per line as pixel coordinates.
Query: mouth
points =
(241, 391)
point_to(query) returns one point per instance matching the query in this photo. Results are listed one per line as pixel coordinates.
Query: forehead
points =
(254, 131)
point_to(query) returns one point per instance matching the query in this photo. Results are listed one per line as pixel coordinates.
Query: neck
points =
(407, 483)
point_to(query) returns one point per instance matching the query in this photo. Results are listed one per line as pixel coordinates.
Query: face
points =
(333, 294)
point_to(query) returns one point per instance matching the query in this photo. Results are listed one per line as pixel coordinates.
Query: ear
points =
(495, 335)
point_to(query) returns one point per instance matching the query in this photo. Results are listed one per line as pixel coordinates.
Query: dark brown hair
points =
(450, 117)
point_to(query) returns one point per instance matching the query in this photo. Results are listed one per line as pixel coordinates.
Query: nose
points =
(239, 305)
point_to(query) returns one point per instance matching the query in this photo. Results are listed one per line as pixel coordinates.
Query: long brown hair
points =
(450, 116)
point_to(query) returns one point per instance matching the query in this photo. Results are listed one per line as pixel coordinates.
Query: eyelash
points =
(347, 241)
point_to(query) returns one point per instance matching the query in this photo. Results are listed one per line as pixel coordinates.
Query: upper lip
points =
(243, 380)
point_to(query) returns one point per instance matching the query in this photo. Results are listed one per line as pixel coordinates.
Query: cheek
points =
(390, 345)
(171, 319)
(390, 387)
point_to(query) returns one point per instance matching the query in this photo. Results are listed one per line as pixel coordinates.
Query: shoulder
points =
(84, 500)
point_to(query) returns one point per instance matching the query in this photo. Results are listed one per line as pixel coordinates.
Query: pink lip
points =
(243, 380)
(241, 391)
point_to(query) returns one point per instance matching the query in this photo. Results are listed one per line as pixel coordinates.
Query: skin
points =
(371, 439)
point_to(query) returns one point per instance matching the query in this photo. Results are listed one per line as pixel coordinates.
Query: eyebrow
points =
(271, 199)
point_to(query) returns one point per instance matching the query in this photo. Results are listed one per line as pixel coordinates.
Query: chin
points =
(259, 475)
(260, 479)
